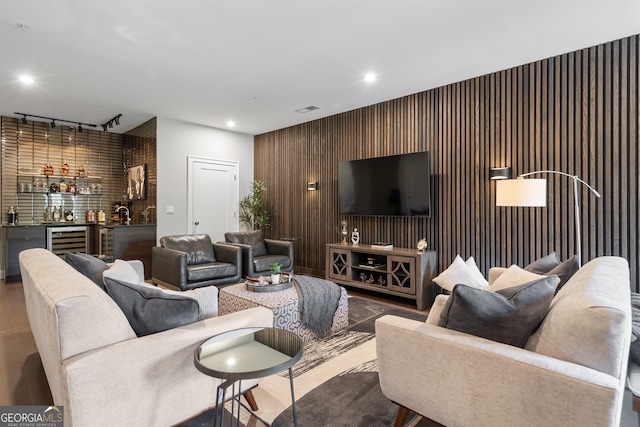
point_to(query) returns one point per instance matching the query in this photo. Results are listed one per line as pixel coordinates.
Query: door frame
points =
(191, 161)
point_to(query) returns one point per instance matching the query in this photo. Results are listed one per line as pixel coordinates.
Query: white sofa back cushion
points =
(589, 318)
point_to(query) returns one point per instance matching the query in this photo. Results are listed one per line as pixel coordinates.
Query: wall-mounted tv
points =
(386, 186)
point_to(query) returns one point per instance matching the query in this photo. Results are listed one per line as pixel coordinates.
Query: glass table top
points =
(248, 353)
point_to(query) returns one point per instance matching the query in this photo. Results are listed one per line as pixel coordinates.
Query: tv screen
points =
(386, 186)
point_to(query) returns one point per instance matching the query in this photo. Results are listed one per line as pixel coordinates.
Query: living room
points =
(573, 110)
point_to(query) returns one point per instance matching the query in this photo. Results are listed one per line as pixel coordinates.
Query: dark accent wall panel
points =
(576, 113)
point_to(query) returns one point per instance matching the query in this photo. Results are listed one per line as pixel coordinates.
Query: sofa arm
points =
(458, 379)
(151, 380)
(436, 309)
(168, 267)
(279, 247)
(228, 253)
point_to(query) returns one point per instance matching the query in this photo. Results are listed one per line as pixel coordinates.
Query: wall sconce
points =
(312, 185)
(500, 173)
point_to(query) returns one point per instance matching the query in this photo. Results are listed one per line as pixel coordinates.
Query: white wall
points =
(175, 141)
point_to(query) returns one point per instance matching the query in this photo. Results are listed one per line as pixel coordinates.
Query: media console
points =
(402, 272)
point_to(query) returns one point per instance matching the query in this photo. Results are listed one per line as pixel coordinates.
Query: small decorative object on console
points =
(382, 245)
(344, 232)
(355, 236)
(422, 245)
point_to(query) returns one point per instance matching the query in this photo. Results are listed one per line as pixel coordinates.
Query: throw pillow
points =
(150, 310)
(471, 263)
(252, 238)
(88, 265)
(123, 271)
(515, 276)
(459, 272)
(509, 316)
(544, 264)
(565, 270)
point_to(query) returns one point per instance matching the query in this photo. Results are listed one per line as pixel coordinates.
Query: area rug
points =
(336, 381)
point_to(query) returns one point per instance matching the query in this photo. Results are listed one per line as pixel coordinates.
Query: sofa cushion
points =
(88, 265)
(198, 247)
(252, 238)
(551, 265)
(460, 272)
(509, 315)
(513, 276)
(148, 309)
(595, 301)
(215, 270)
(544, 264)
(263, 263)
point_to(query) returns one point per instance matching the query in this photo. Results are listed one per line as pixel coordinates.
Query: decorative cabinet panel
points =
(402, 272)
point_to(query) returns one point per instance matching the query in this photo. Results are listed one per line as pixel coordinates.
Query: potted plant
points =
(253, 210)
(275, 272)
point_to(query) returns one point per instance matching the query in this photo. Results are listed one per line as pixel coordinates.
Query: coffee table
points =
(283, 304)
(243, 354)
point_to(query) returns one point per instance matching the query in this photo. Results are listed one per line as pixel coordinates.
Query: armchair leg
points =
(251, 400)
(401, 417)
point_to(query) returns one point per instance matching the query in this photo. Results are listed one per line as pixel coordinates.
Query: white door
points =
(212, 203)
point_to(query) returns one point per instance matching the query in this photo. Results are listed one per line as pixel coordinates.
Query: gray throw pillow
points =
(544, 264)
(509, 316)
(565, 270)
(88, 265)
(150, 310)
(252, 238)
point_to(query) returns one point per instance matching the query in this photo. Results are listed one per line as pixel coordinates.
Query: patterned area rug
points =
(350, 397)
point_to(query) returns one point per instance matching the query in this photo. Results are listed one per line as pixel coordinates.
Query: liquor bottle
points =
(62, 186)
(81, 172)
(56, 214)
(65, 169)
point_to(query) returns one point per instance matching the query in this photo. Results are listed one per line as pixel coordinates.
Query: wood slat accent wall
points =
(575, 113)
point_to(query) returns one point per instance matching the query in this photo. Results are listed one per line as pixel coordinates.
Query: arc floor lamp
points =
(533, 193)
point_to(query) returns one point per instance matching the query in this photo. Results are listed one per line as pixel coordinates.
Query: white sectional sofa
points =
(96, 366)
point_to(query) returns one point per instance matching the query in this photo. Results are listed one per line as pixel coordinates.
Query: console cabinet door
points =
(401, 276)
(339, 264)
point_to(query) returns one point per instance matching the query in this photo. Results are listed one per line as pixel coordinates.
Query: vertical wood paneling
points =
(576, 113)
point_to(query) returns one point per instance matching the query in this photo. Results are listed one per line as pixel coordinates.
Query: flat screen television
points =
(386, 186)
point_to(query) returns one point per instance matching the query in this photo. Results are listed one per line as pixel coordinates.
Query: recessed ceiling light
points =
(307, 109)
(26, 79)
(369, 77)
(231, 123)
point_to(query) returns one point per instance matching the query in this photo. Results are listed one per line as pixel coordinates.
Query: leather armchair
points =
(258, 253)
(186, 262)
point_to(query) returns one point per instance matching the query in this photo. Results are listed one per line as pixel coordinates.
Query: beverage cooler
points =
(68, 239)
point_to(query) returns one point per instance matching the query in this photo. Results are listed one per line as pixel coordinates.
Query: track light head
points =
(104, 127)
(117, 119)
(53, 123)
(24, 120)
(80, 127)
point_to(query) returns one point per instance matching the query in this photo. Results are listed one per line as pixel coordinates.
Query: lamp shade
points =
(521, 192)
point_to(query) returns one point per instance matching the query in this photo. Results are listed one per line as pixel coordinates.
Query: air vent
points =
(307, 109)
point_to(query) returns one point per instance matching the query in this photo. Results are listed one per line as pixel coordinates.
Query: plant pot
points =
(275, 278)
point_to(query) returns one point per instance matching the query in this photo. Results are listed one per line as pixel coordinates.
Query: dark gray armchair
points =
(258, 253)
(186, 262)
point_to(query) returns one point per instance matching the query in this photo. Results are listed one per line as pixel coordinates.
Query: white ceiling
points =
(256, 61)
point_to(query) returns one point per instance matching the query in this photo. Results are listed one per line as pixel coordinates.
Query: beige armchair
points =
(571, 372)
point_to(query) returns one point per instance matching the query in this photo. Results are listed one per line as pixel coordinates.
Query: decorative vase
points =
(275, 278)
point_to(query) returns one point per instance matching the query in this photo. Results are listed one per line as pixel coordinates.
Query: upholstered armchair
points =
(259, 253)
(186, 262)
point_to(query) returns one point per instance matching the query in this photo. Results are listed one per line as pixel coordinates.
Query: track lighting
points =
(52, 121)
(109, 124)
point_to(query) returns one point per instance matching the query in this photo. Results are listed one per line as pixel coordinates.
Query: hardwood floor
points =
(22, 378)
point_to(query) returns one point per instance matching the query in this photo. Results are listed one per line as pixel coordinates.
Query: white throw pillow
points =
(460, 272)
(123, 271)
(471, 263)
(514, 276)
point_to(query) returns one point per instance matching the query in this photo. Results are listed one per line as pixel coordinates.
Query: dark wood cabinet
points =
(402, 272)
(17, 239)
